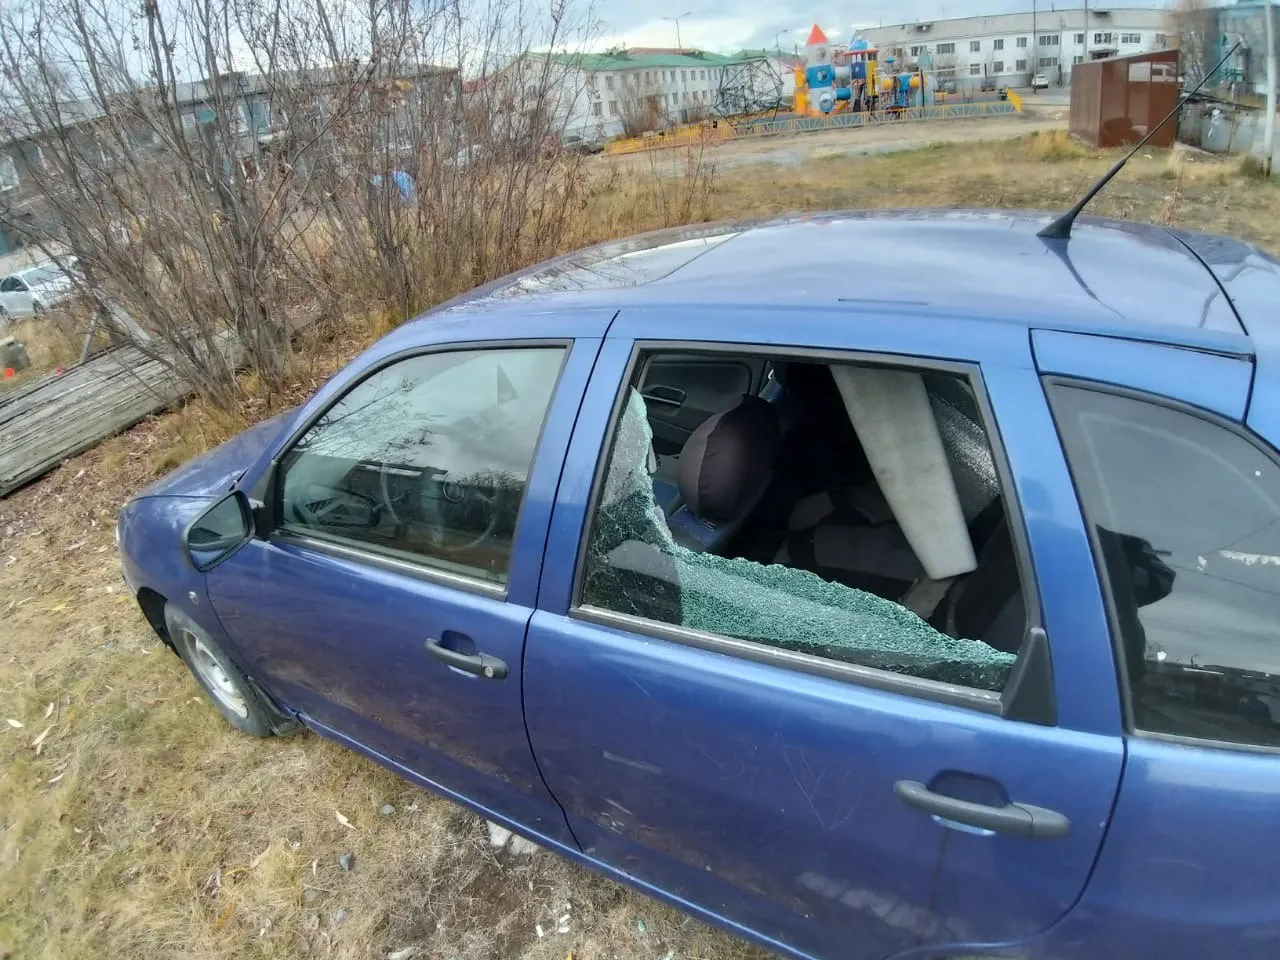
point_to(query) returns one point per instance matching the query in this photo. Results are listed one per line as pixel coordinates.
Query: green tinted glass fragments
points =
(634, 566)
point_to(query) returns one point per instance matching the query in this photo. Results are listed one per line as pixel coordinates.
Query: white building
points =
(1011, 48)
(600, 95)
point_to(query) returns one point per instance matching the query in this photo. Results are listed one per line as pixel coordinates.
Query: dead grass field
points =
(135, 824)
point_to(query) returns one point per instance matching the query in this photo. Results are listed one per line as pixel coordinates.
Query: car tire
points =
(222, 681)
(37, 310)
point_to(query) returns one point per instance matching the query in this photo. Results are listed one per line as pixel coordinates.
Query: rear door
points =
(828, 807)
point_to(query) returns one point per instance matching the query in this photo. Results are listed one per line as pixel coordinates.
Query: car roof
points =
(1113, 276)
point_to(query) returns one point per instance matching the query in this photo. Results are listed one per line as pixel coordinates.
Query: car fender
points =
(152, 558)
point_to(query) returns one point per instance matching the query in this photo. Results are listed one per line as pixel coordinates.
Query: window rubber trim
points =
(343, 550)
(269, 488)
(1050, 381)
(1006, 703)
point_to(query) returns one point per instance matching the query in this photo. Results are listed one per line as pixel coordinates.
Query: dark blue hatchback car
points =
(884, 585)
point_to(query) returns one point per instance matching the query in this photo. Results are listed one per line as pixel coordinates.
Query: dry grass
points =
(142, 827)
(48, 344)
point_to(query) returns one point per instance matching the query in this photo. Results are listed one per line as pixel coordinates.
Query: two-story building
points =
(1011, 48)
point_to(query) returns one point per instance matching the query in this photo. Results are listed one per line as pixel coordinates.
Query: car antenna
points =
(1060, 229)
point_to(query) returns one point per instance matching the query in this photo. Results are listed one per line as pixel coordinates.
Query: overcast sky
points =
(725, 25)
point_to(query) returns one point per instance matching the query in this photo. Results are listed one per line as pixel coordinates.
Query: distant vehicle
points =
(576, 144)
(1039, 82)
(912, 613)
(988, 85)
(31, 292)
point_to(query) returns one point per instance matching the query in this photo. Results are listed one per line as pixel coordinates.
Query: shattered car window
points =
(634, 566)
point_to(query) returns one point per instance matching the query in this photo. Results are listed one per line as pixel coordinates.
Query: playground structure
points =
(750, 87)
(836, 87)
(833, 79)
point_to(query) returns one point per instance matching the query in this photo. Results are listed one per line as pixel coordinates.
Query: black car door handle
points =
(1019, 819)
(481, 664)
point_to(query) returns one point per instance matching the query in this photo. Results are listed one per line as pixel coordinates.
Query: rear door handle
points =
(480, 664)
(1019, 819)
(671, 396)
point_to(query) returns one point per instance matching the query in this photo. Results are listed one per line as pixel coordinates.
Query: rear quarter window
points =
(1184, 514)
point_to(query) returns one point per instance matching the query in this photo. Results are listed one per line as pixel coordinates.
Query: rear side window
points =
(850, 513)
(1185, 517)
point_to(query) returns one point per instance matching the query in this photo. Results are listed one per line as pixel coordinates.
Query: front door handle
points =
(1019, 819)
(481, 664)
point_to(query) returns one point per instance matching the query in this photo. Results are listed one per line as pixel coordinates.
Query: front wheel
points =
(221, 679)
(37, 310)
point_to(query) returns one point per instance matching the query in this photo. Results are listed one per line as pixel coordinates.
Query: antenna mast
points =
(1060, 229)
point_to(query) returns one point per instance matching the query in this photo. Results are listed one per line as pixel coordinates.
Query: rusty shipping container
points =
(1117, 100)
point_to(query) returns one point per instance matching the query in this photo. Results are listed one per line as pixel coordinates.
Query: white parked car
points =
(1039, 82)
(30, 292)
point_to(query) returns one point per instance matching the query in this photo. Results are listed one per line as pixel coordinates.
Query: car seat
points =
(725, 467)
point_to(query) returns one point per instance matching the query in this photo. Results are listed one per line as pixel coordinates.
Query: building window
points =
(997, 67)
(1020, 66)
(1022, 41)
(1161, 41)
(975, 69)
(1130, 38)
(1049, 40)
(916, 51)
(975, 46)
(608, 82)
(1075, 60)
(702, 74)
(1079, 40)
(613, 108)
(8, 173)
(944, 48)
(997, 44)
(1103, 38)
(1048, 62)
(595, 109)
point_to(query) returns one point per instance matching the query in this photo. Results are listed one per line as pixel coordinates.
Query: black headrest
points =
(728, 460)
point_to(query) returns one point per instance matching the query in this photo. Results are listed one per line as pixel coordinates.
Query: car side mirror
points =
(219, 532)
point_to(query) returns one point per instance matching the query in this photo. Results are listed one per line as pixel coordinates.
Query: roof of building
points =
(1041, 21)
(1113, 276)
(783, 56)
(636, 60)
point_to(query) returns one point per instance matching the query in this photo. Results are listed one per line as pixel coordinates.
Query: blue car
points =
(871, 585)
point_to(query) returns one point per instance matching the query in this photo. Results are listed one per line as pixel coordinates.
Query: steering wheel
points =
(471, 498)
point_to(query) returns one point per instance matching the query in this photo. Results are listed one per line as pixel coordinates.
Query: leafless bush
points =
(224, 171)
(640, 110)
(1193, 29)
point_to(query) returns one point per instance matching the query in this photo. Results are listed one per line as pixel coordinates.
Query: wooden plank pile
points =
(59, 415)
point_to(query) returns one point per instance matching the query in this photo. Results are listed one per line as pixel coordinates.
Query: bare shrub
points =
(1193, 30)
(224, 173)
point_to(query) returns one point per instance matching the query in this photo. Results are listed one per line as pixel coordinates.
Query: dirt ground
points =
(797, 149)
(135, 824)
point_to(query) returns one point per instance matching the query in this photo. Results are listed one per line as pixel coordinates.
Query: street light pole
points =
(777, 40)
(1269, 124)
(676, 20)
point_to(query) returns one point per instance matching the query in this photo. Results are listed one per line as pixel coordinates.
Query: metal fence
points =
(728, 130)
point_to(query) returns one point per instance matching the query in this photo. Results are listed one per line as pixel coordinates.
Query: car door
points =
(14, 297)
(833, 809)
(1182, 501)
(388, 603)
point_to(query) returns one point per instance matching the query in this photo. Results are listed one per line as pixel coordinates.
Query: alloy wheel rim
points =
(218, 682)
